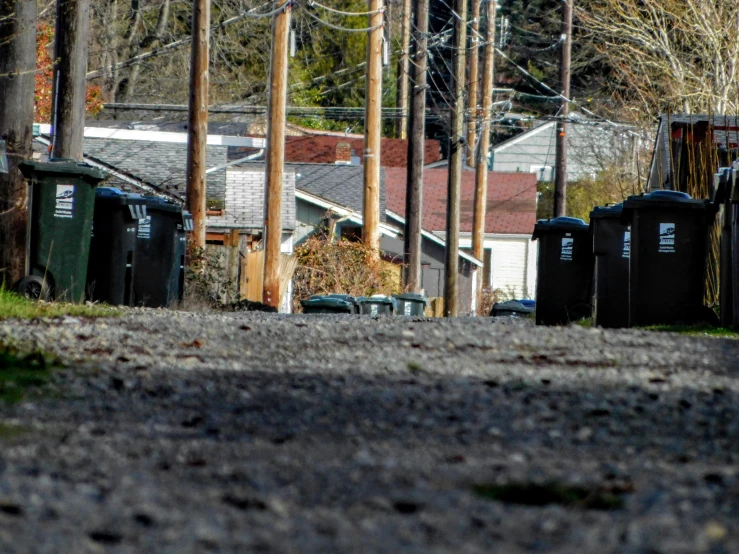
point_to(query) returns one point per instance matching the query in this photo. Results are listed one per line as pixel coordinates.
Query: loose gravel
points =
(174, 432)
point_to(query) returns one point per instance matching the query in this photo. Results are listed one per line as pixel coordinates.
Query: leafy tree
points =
(45, 78)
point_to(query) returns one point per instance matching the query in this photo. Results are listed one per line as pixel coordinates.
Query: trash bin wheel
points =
(33, 287)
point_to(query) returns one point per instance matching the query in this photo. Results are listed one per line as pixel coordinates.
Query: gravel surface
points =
(172, 432)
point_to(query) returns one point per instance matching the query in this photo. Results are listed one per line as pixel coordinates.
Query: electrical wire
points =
(312, 3)
(344, 29)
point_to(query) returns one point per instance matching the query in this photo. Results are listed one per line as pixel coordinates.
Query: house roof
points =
(511, 202)
(340, 184)
(162, 165)
(322, 149)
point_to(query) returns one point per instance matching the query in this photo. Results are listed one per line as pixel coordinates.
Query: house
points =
(689, 149)
(329, 149)
(332, 195)
(591, 145)
(509, 263)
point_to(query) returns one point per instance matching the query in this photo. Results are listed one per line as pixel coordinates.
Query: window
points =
(543, 172)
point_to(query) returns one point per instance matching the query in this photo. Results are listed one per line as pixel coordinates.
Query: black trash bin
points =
(565, 270)
(329, 304)
(376, 305)
(115, 222)
(60, 222)
(611, 247)
(410, 303)
(669, 247)
(156, 257)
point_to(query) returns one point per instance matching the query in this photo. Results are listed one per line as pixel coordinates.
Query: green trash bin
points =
(410, 303)
(156, 260)
(111, 269)
(62, 201)
(329, 304)
(376, 305)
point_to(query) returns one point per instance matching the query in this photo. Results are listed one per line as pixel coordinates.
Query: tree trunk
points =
(17, 82)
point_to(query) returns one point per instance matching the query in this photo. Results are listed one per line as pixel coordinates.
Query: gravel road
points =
(173, 432)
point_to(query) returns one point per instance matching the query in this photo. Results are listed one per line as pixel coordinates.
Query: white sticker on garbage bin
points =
(144, 228)
(407, 308)
(567, 245)
(627, 244)
(666, 237)
(64, 201)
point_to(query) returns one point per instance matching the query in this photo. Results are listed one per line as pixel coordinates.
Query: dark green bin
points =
(111, 269)
(329, 304)
(410, 304)
(376, 305)
(157, 257)
(62, 201)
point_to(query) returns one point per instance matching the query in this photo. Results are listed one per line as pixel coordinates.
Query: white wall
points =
(513, 263)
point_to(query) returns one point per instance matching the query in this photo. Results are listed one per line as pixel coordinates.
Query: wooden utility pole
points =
(416, 143)
(560, 174)
(472, 100)
(17, 81)
(373, 129)
(69, 84)
(276, 121)
(481, 168)
(197, 128)
(404, 71)
(456, 159)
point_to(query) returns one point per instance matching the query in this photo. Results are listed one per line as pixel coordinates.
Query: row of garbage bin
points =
(638, 263)
(100, 243)
(408, 304)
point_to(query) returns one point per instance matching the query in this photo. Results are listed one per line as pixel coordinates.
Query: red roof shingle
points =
(511, 203)
(322, 149)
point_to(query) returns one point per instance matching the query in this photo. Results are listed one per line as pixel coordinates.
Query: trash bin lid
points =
(613, 210)
(329, 301)
(345, 297)
(412, 297)
(528, 302)
(375, 299)
(669, 199)
(512, 306)
(558, 224)
(154, 203)
(70, 168)
(114, 195)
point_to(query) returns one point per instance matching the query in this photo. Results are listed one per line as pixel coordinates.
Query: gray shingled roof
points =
(160, 164)
(340, 184)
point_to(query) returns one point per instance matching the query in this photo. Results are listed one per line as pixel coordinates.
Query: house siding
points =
(588, 148)
(509, 267)
(244, 200)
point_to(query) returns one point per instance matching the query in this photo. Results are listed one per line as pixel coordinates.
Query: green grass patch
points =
(531, 494)
(13, 305)
(19, 375)
(697, 330)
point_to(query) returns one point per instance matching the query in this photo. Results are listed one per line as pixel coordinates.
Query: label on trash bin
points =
(373, 309)
(567, 245)
(144, 228)
(407, 308)
(64, 201)
(666, 237)
(627, 244)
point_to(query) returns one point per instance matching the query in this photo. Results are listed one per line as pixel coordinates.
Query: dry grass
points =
(342, 266)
